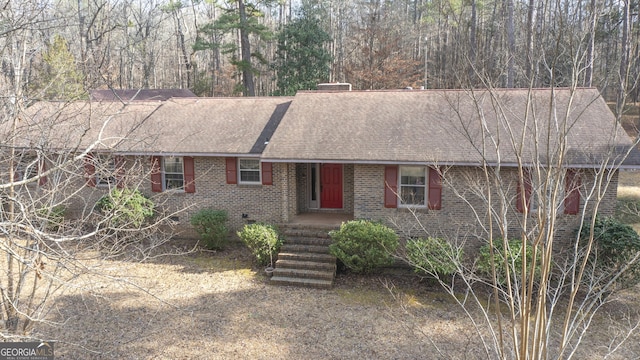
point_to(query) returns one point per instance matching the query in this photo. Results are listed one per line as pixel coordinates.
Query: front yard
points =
(209, 305)
(215, 306)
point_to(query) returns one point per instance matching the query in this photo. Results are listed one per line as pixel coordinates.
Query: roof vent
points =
(334, 87)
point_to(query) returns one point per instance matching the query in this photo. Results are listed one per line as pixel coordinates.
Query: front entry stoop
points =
(304, 258)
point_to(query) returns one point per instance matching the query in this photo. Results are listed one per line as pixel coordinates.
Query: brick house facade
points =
(409, 158)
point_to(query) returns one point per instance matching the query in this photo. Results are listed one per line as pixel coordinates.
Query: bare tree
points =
(529, 175)
(543, 305)
(65, 207)
(59, 157)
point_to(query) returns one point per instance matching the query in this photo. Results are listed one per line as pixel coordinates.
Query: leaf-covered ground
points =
(214, 306)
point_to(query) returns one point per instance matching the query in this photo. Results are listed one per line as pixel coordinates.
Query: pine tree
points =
(302, 59)
(61, 79)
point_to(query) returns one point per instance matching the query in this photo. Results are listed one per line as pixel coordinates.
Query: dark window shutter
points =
(572, 192)
(232, 171)
(435, 189)
(156, 174)
(189, 175)
(267, 173)
(90, 170)
(391, 186)
(43, 168)
(120, 181)
(526, 178)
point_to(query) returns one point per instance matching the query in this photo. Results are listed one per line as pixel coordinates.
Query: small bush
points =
(615, 245)
(364, 245)
(263, 241)
(126, 208)
(514, 260)
(53, 217)
(433, 256)
(211, 226)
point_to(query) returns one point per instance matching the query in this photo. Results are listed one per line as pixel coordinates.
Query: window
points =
(173, 173)
(26, 168)
(535, 196)
(105, 170)
(542, 198)
(249, 171)
(407, 184)
(413, 186)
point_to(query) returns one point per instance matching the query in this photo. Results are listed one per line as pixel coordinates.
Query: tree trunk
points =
(472, 39)
(183, 50)
(530, 25)
(624, 57)
(588, 76)
(511, 45)
(245, 47)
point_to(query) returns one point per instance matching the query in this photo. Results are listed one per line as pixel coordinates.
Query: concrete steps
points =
(304, 248)
(314, 283)
(304, 258)
(305, 265)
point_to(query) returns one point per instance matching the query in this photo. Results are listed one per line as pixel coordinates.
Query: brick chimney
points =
(334, 87)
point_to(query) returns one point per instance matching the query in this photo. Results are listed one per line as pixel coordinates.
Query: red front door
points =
(331, 186)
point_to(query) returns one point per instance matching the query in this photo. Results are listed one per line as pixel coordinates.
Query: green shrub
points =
(126, 208)
(211, 226)
(433, 256)
(614, 247)
(514, 260)
(263, 241)
(53, 217)
(364, 245)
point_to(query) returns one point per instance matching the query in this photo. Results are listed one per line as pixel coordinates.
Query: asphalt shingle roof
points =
(207, 126)
(449, 127)
(403, 126)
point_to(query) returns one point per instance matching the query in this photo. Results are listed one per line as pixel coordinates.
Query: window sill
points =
(174, 191)
(412, 207)
(250, 183)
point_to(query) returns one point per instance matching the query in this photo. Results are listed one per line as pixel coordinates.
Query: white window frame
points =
(425, 185)
(249, 170)
(104, 166)
(165, 179)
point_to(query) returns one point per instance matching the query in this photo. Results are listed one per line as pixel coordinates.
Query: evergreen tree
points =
(61, 79)
(302, 60)
(244, 19)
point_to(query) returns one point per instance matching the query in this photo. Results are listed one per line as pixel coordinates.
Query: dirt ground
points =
(215, 306)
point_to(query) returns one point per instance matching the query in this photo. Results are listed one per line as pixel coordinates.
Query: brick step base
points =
(304, 258)
(297, 248)
(303, 273)
(314, 283)
(305, 265)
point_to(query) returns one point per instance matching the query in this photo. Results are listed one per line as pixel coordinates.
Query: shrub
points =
(127, 208)
(433, 256)
(614, 247)
(263, 241)
(363, 245)
(211, 226)
(53, 217)
(514, 260)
